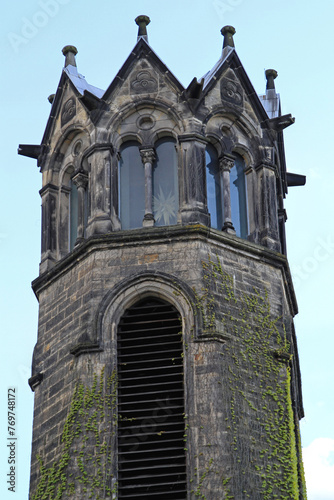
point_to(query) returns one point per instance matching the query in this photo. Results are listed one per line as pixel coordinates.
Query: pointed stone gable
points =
(69, 109)
(143, 76)
(230, 93)
(143, 80)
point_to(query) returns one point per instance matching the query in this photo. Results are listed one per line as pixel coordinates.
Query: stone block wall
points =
(236, 307)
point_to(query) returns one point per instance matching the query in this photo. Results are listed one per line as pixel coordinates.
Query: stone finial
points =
(142, 22)
(271, 74)
(70, 52)
(228, 32)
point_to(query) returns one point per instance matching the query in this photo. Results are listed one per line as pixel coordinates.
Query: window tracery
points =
(226, 192)
(148, 184)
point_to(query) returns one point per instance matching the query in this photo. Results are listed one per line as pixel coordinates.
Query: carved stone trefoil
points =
(231, 91)
(144, 83)
(69, 111)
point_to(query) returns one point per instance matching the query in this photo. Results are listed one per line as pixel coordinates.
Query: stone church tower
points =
(166, 364)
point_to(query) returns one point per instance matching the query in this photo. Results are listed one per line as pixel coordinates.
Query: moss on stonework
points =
(84, 465)
(255, 373)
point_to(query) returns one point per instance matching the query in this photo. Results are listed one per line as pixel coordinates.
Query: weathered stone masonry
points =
(242, 395)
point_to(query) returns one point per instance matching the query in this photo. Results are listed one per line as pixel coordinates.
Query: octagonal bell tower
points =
(166, 364)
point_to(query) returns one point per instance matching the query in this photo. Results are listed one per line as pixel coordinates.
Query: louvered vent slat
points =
(151, 456)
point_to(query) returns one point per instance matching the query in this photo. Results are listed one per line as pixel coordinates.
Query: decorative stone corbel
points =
(35, 380)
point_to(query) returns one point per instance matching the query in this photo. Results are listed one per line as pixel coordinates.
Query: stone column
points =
(148, 156)
(63, 221)
(49, 195)
(114, 195)
(193, 203)
(226, 162)
(282, 217)
(268, 209)
(81, 180)
(99, 158)
(252, 204)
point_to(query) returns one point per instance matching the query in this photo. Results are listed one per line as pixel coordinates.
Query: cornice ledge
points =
(48, 187)
(100, 146)
(192, 137)
(140, 236)
(266, 164)
(85, 348)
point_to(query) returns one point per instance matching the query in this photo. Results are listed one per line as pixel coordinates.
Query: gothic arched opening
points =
(151, 415)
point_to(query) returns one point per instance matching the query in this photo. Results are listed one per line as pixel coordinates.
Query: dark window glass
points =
(131, 186)
(165, 185)
(213, 187)
(238, 197)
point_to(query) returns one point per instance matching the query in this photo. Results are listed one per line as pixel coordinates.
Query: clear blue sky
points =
(294, 37)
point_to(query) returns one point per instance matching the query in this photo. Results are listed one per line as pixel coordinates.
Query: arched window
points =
(157, 180)
(239, 197)
(213, 187)
(131, 186)
(151, 425)
(165, 183)
(232, 197)
(73, 205)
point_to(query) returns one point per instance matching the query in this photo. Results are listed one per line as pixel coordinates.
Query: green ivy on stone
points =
(256, 388)
(84, 464)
